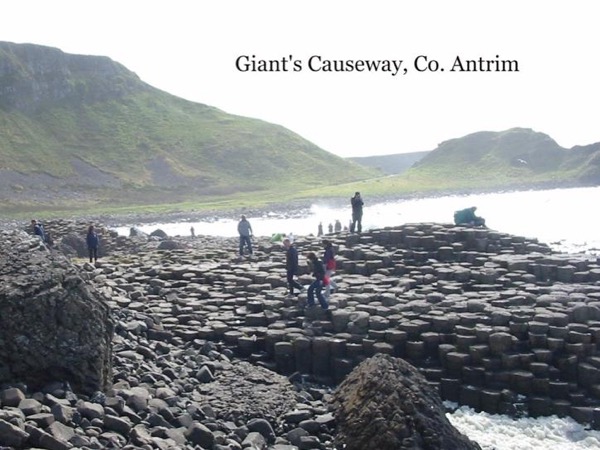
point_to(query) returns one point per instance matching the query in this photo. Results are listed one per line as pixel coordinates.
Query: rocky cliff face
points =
(53, 325)
(33, 75)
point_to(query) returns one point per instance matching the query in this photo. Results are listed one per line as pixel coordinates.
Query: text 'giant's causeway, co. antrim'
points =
(493, 321)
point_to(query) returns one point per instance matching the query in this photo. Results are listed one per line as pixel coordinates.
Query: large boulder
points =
(159, 234)
(386, 404)
(54, 326)
(73, 244)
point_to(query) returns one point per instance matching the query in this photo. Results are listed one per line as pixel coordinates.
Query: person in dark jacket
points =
(315, 287)
(38, 230)
(245, 232)
(291, 265)
(92, 240)
(357, 213)
(467, 217)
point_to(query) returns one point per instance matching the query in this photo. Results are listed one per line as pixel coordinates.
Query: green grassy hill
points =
(518, 158)
(84, 133)
(514, 157)
(82, 130)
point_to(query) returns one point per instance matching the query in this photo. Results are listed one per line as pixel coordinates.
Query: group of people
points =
(92, 239)
(331, 228)
(322, 271)
(355, 222)
(323, 268)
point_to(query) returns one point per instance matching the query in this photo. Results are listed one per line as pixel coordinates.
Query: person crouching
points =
(316, 286)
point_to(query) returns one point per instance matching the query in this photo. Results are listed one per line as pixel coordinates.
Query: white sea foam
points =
(565, 218)
(500, 432)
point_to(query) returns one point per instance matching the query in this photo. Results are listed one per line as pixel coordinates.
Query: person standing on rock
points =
(245, 232)
(92, 240)
(291, 266)
(329, 263)
(317, 285)
(357, 213)
(337, 227)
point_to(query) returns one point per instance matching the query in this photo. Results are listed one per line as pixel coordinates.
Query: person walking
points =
(291, 266)
(357, 213)
(92, 240)
(245, 232)
(330, 266)
(317, 285)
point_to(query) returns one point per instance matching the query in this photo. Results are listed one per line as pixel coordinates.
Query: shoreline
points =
(125, 219)
(298, 206)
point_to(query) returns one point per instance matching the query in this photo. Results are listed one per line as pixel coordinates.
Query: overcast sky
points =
(189, 49)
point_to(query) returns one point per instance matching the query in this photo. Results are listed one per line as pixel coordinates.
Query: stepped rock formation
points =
(386, 404)
(54, 326)
(497, 322)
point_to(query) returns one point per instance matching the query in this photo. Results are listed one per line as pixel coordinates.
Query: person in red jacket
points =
(330, 266)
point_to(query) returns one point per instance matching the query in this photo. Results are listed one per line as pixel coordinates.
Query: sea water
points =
(566, 219)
